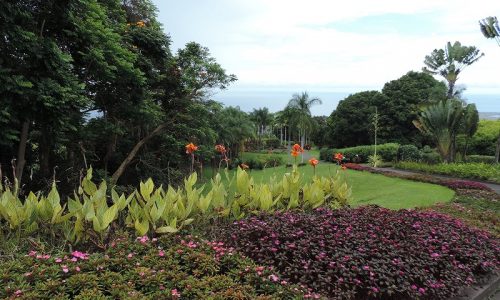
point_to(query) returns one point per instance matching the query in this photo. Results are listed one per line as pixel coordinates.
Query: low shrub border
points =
(456, 185)
(369, 252)
(165, 268)
(480, 171)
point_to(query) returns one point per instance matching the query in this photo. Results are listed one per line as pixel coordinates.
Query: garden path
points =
(493, 186)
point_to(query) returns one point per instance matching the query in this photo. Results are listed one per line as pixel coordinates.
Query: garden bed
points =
(369, 252)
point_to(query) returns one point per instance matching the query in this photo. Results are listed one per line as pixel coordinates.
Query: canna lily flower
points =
(191, 148)
(297, 148)
(338, 157)
(343, 167)
(295, 153)
(313, 162)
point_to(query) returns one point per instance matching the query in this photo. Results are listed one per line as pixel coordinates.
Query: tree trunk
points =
(44, 152)
(21, 151)
(451, 89)
(119, 172)
(110, 150)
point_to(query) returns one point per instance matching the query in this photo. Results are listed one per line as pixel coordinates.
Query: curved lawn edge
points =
(397, 193)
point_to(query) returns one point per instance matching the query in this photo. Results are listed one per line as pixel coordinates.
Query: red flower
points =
(296, 149)
(190, 148)
(338, 157)
(313, 162)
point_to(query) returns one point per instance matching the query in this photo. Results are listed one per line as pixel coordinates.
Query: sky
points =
(331, 48)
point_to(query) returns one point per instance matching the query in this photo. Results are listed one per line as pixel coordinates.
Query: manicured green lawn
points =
(368, 188)
(285, 156)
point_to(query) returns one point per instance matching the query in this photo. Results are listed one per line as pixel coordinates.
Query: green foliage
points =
(483, 142)
(450, 62)
(388, 152)
(486, 159)
(89, 217)
(462, 170)
(349, 122)
(409, 153)
(180, 267)
(442, 121)
(375, 160)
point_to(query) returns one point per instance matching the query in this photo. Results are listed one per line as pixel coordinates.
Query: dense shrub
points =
(430, 156)
(464, 184)
(357, 167)
(143, 269)
(474, 209)
(388, 152)
(481, 159)
(264, 161)
(369, 252)
(409, 153)
(462, 170)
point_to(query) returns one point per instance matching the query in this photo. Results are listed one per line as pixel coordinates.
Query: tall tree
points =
(450, 62)
(300, 108)
(350, 123)
(405, 96)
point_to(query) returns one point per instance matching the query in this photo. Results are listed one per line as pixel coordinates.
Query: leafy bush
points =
(462, 170)
(96, 211)
(388, 152)
(143, 269)
(409, 153)
(481, 159)
(463, 184)
(369, 252)
(375, 160)
(475, 210)
(272, 142)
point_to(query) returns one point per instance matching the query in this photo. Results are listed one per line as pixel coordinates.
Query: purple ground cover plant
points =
(369, 252)
(465, 184)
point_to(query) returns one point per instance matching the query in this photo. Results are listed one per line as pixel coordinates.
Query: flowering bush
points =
(464, 184)
(356, 167)
(144, 269)
(369, 252)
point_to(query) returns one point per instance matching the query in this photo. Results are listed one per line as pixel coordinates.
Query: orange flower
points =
(313, 162)
(343, 167)
(297, 148)
(338, 156)
(244, 166)
(190, 148)
(220, 148)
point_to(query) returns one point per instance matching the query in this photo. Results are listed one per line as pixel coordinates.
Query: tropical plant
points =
(300, 108)
(442, 122)
(450, 62)
(470, 125)
(489, 28)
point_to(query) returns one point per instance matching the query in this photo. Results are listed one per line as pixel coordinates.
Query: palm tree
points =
(300, 109)
(450, 62)
(489, 28)
(442, 121)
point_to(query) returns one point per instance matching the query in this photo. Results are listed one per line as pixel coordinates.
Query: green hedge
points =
(388, 152)
(480, 171)
(481, 159)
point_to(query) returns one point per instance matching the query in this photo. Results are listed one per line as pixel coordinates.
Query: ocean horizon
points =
(276, 100)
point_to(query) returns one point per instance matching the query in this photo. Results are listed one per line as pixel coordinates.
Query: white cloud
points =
(296, 43)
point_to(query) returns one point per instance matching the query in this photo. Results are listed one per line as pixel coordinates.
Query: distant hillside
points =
(489, 115)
